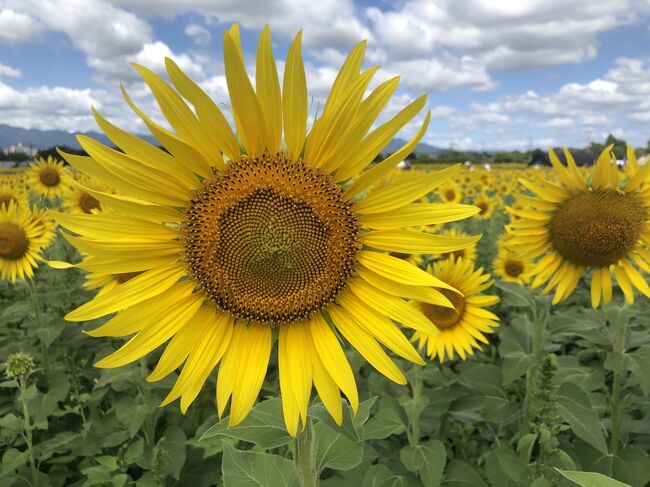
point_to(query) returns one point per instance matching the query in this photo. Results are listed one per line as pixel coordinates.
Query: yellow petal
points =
(417, 214)
(154, 335)
(366, 345)
(268, 89)
(385, 167)
(414, 242)
(333, 358)
(404, 191)
(246, 108)
(294, 99)
(136, 290)
(325, 386)
(398, 270)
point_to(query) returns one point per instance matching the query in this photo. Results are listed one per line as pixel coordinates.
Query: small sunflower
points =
(80, 197)
(462, 328)
(240, 239)
(511, 267)
(48, 178)
(579, 224)
(450, 193)
(485, 204)
(20, 243)
(11, 193)
(44, 226)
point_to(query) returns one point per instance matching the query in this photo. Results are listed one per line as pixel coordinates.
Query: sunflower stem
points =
(305, 456)
(22, 382)
(540, 312)
(416, 393)
(615, 396)
(36, 305)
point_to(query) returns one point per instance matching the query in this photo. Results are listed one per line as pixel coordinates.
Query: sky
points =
(499, 75)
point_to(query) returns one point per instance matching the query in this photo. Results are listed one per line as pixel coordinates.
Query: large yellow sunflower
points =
(462, 327)
(237, 240)
(20, 243)
(579, 224)
(48, 178)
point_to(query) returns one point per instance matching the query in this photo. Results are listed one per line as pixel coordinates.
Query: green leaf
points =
(255, 469)
(427, 460)
(513, 467)
(461, 474)
(494, 462)
(352, 424)
(383, 424)
(264, 426)
(591, 479)
(173, 444)
(381, 476)
(335, 450)
(638, 363)
(131, 413)
(515, 295)
(576, 408)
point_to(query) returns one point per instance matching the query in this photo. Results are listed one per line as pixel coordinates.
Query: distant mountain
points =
(44, 139)
(421, 148)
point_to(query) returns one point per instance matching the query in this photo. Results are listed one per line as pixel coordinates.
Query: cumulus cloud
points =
(16, 27)
(9, 72)
(199, 34)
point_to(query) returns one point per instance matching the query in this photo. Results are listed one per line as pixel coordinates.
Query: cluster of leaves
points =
(520, 413)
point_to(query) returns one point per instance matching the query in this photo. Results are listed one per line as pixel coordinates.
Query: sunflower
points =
(20, 243)
(450, 193)
(485, 204)
(468, 253)
(79, 198)
(580, 224)
(44, 226)
(509, 266)
(48, 178)
(462, 328)
(238, 243)
(10, 193)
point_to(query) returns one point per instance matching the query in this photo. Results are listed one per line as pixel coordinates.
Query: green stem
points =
(615, 396)
(305, 457)
(33, 291)
(28, 430)
(416, 391)
(540, 319)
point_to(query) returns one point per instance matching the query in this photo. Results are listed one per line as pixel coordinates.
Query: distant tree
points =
(504, 157)
(14, 156)
(411, 157)
(53, 152)
(619, 146)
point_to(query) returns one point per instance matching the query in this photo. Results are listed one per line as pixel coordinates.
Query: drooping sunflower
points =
(48, 178)
(20, 243)
(465, 325)
(577, 224)
(237, 243)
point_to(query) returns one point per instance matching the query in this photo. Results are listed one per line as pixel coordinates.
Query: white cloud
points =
(9, 72)
(199, 34)
(16, 27)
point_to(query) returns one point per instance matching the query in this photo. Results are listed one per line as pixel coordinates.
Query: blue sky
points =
(531, 74)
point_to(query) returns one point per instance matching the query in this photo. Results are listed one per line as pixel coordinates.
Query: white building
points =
(19, 147)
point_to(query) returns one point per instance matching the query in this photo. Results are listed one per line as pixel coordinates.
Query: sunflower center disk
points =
(270, 239)
(49, 177)
(87, 203)
(13, 241)
(596, 228)
(442, 316)
(514, 268)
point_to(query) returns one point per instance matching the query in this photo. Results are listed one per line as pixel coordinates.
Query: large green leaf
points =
(576, 408)
(427, 460)
(256, 469)
(335, 450)
(591, 479)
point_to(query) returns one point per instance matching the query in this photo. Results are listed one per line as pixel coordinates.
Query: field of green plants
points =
(560, 394)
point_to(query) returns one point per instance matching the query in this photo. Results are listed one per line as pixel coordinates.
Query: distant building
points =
(22, 149)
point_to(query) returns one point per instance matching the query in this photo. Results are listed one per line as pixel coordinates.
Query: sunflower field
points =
(257, 301)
